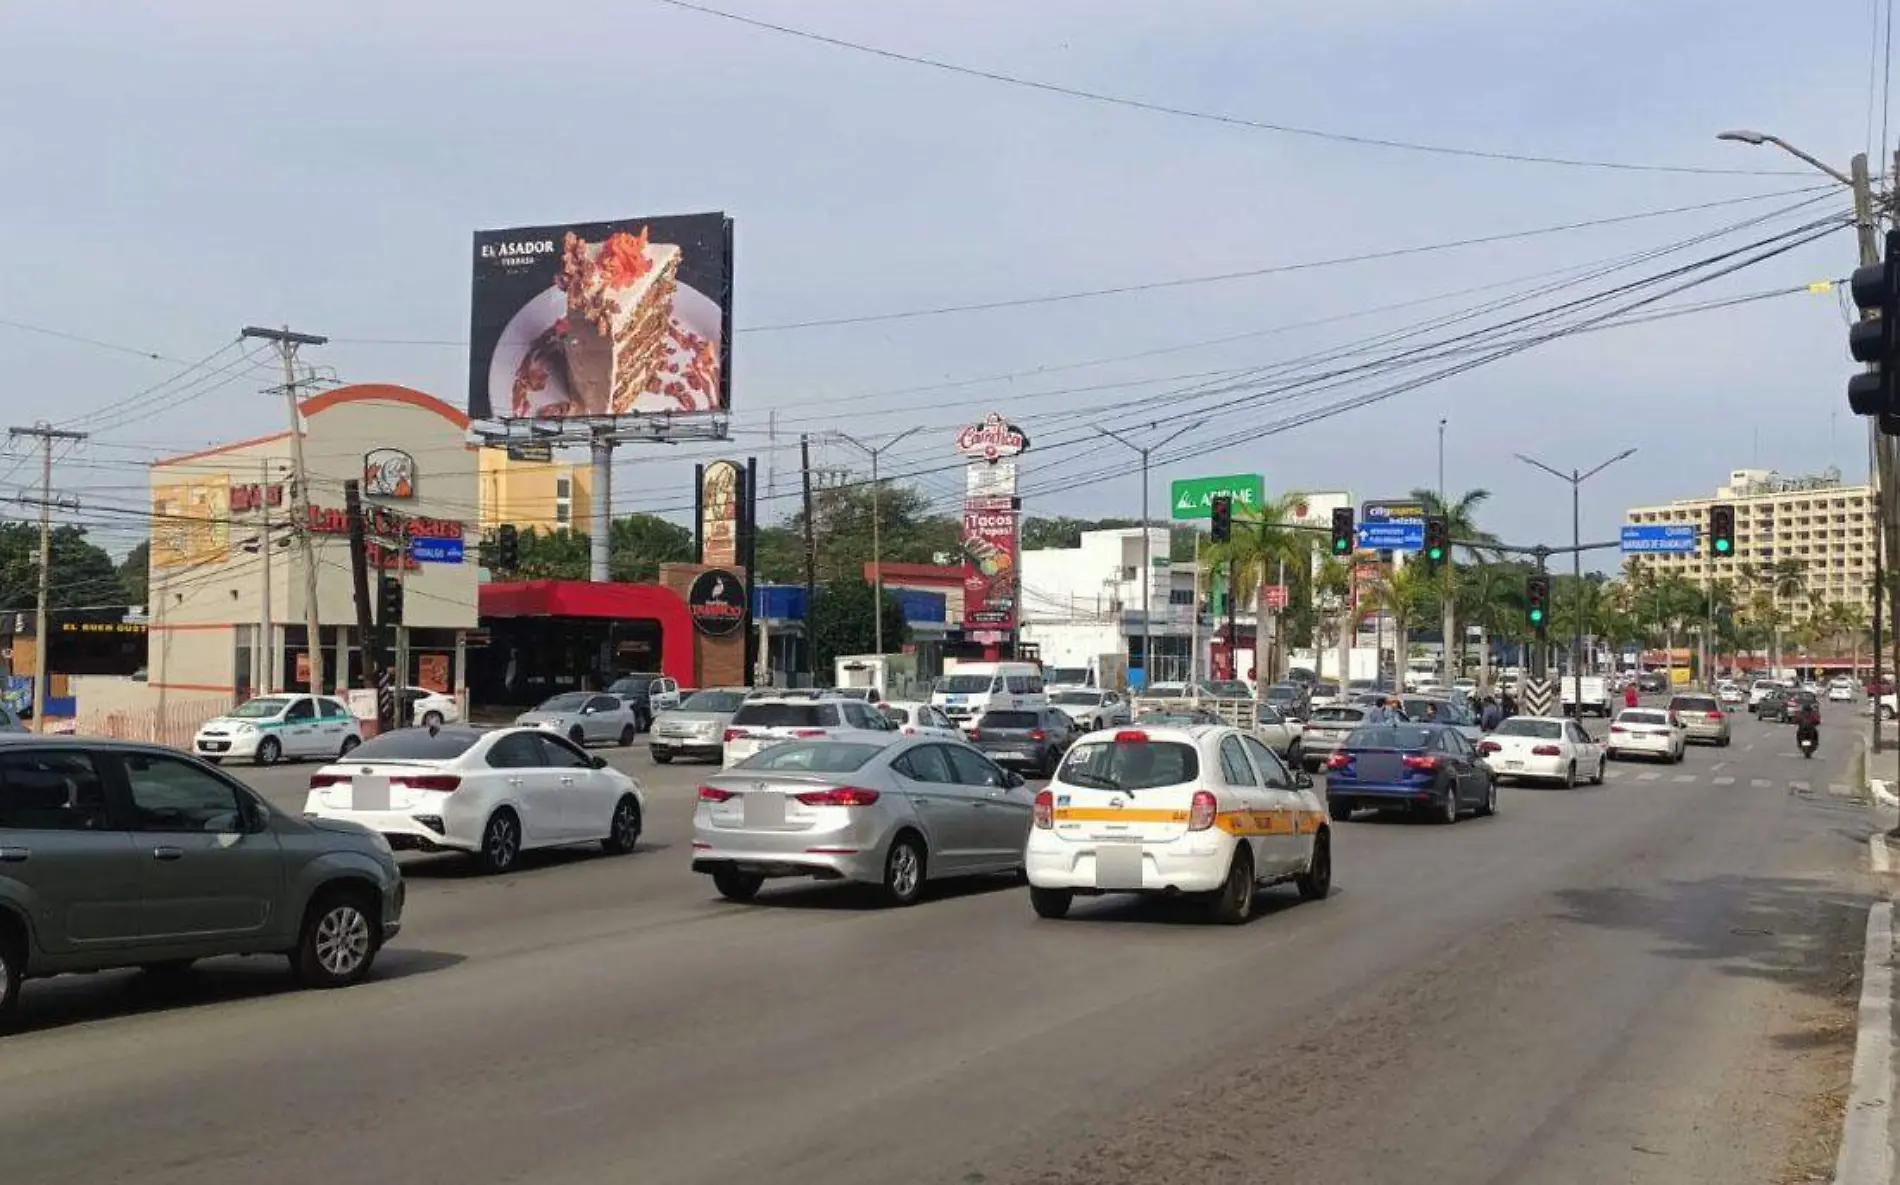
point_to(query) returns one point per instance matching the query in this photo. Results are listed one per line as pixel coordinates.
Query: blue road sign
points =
(1665, 538)
(436, 551)
(1397, 535)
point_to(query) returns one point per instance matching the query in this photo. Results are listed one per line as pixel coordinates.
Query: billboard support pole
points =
(749, 557)
(602, 445)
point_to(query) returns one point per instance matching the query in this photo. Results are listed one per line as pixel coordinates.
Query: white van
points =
(974, 688)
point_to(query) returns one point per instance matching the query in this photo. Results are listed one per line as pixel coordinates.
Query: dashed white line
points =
(1798, 787)
(1718, 765)
(1725, 781)
(1761, 783)
(1683, 778)
(1648, 777)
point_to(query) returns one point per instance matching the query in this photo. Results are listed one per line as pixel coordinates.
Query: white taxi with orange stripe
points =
(1202, 810)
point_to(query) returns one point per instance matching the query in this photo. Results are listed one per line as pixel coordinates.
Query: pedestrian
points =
(1629, 694)
(1508, 704)
(1491, 715)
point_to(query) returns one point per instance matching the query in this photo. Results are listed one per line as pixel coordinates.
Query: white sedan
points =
(1646, 732)
(426, 707)
(915, 718)
(271, 728)
(492, 794)
(1543, 748)
(1091, 710)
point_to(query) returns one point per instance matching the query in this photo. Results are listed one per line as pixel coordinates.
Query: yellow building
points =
(542, 495)
(1825, 526)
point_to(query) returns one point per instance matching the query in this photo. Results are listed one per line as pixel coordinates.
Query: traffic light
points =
(1537, 601)
(507, 548)
(1875, 339)
(1437, 541)
(1222, 511)
(1722, 531)
(389, 601)
(1342, 530)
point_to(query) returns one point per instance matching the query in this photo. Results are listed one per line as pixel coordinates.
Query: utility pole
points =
(1147, 544)
(811, 554)
(1576, 478)
(46, 434)
(267, 629)
(287, 344)
(877, 519)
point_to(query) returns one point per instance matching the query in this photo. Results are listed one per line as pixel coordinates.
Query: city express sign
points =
(1193, 497)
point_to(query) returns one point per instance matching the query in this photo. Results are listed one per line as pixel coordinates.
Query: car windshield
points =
(1517, 726)
(1325, 689)
(417, 744)
(632, 684)
(1056, 675)
(713, 701)
(818, 757)
(1283, 691)
(1129, 765)
(964, 684)
(1077, 698)
(1693, 703)
(1008, 720)
(786, 716)
(259, 709)
(895, 714)
(1228, 689)
(569, 702)
(1642, 717)
(1339, 716)
(1390, 736)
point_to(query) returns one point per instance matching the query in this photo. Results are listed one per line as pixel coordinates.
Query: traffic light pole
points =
(1879, 447)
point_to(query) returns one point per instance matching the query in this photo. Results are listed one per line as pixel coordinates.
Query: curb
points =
(1883, 793)
(1866, 1155)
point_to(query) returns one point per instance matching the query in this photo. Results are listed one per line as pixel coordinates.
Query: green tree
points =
(1261, 542)
(81, 573)
(841, 623)
(135, 573)
(638, 544)
(1461, 523)
(1405, 593)
(542, 555)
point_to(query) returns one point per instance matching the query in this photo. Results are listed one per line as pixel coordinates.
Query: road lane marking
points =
(1719, 765)
(1877, 852)
(1761, 783)
(1797, 787)
(1683, 778)
(1724, 781)
(1648, 777)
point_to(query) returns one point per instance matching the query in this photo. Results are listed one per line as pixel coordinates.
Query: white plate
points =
(693, 311)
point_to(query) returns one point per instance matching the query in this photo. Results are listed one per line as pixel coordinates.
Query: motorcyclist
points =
(1807, 718)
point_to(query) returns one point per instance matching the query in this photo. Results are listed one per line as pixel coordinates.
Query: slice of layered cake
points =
(619, 302)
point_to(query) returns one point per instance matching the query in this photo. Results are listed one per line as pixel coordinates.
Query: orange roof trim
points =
(316, 404)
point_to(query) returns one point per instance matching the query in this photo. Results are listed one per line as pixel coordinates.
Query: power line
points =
(1208, 116)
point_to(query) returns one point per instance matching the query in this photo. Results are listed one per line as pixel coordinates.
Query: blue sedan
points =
(1420, 768)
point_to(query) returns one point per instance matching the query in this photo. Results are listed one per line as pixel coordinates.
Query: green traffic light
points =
(1437, 553)
(1722, 545)
(1537, 615)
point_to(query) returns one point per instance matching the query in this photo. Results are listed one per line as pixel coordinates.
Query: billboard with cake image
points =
(602, 319)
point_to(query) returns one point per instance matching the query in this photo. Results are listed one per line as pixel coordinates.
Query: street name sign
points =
(1663, 538)
(1193, 497)
(1392, 525)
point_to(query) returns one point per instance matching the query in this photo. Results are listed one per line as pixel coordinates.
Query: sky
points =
(179, 171)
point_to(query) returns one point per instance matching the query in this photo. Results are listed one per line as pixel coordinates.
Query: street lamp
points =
(877, 534)
(1746, 136)
(1576, 480)
(1147, 540)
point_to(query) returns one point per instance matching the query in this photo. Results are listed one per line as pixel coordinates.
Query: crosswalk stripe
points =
(1838, 789)
(1725, 781)
(1648, 777)
(1683, 778)
(1798, 787)
(1761, 783)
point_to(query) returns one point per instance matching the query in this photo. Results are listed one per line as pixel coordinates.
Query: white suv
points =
(764, 721)
(1205, 809)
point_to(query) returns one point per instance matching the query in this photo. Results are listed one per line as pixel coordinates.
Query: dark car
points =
(1026, 738)
(647, 694)
(1292, 699)
(1420, 768)
(1774, 705)
(1790, 705)
(1652, 682)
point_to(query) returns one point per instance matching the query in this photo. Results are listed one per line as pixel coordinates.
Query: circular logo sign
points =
(717, 602)
(992, 440)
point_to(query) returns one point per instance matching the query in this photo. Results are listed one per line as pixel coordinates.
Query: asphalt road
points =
(1650, 981)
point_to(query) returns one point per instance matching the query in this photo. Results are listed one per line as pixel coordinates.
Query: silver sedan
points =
(893, 812)
(585, 717)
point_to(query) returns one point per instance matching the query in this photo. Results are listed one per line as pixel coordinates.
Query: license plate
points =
(765, 810)
(1514, 765)
(369, 793)
(1118, 866)
(214, 746)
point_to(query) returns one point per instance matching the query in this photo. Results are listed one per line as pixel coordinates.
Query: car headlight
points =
(245, 727)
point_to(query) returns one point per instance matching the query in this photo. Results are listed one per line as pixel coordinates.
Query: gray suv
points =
(115, 854)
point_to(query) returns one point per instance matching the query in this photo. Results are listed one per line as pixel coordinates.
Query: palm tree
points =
(1261, 541)
(1675, 604)
(1461, 523)
(1784, 579)
(1403, 592)
(1489, 597)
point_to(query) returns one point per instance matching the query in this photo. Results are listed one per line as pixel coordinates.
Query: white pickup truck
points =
(1596, 695)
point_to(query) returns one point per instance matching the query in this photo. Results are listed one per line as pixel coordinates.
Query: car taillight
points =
(1618, 728)
(910, 732)
(1547, 751)
(1037, 734)
(733, 734)
(807, 733)
(838, 796)
(1490, 747)
(1045, 810)
(1715, 714)
(1131, 736)
(714, 794)
(317, 780)
(1420, 761)
(1201, 813)
(976, 734)
(442, 783)
(1338, 761)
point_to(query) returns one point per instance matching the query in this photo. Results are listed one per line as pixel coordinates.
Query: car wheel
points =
(1051, 903)
(624, 832)
(738, 886)
(270, 751)
(432, 720)
(1448, 812)
(576, 735)
(626, 736)
(1232, 903)
(1570, 777)
(662, 757)
(1340, 809)
(1886, 713)
(1294, 758)
(339, 939)
(904, 871)
(1682, 755)
(349, 743)
(501, 842)
(12, 971)
(1489, 806)
(1596, 779)
(1317, 881)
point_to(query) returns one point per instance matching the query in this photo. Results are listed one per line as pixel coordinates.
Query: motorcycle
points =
(1809, 738)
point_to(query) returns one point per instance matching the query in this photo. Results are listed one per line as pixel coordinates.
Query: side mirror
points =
(598, 762)
(1302, 780)
(1014, 779)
